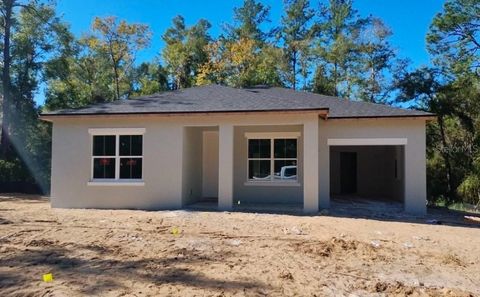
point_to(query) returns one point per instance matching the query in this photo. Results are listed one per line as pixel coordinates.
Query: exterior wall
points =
(71, 167)
(414, 153)
(254, 193)
(398, 185)
(169, 178)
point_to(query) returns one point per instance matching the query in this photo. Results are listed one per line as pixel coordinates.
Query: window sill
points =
(272, 183)
(138, 183)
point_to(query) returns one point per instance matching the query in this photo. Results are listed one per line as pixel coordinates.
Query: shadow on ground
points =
(24, 198)
(93, 275)
(379, 210)
(392, 211)
(344, 208)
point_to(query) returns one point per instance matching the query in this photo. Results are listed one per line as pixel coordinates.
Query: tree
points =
(321, 83)
(214, 70)
(250, 66)
(470, 187)
(244, 57)
(240, 64)
(376, 62)
(29, 33)
(454, 36)
(247, 22)
(79, 75)
(338, 27)
(296, 35)
(120, 41)
(185, 51)
(149, 78)
(453, 41)
(7, 10)
(423, 89)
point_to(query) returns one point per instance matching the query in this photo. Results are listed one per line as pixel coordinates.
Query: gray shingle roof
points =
(216, 98)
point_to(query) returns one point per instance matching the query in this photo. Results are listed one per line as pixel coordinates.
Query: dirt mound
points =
(40, 243)
(400, 289)
(102, 249)
(125, 253)
(451, 259)
(336, 247)
(286, 275)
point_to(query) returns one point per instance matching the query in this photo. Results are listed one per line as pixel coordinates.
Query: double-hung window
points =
(131, 156)
(273, 158)
(117, 154)
(104, 156)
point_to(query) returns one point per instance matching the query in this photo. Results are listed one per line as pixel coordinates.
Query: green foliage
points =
(470, 188)
(185, 51)
(119, 41)
(149, 78)
(77, 76)
(244, 58)
(353, 56)
(13, 171)
(296, 35)
(457, 206)
(98, 67)
(377, 62)
(454, 37)
(337, 29)
(248, 20)
(32, 39)
(322, 84)
(240, 64)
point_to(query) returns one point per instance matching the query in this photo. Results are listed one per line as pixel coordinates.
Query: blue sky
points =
(409, 19)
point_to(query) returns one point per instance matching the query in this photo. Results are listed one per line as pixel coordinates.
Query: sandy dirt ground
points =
(201, 253)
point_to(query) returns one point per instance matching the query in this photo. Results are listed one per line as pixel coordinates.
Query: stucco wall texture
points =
(172, 152)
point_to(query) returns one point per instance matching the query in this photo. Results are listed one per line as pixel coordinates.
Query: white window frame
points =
(272, 136)
(117, 132)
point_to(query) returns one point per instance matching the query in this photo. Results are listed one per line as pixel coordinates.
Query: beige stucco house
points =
(259, 145)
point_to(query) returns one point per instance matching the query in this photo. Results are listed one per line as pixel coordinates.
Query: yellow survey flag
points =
(48, 277)
(175, 231)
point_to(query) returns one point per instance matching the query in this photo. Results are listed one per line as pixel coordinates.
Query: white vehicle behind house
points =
(286, 173)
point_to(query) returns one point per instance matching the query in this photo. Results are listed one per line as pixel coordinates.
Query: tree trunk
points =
(335, 79)
(446, 158)
(294, 69)
(115, 71)
(7, 104)
(372, 85)
(117, 86)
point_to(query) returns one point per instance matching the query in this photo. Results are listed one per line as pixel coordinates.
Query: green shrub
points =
(13, 171)
(470, 189)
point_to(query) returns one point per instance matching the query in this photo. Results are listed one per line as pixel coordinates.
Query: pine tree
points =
(296, 37)
(337, 53)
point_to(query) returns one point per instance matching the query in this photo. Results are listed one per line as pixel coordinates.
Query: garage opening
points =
(367, 175)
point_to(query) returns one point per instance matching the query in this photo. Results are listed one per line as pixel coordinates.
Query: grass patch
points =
(464, 207)
(457, 206)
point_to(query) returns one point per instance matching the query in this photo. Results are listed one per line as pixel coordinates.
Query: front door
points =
(348, 173)
(210, 164)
